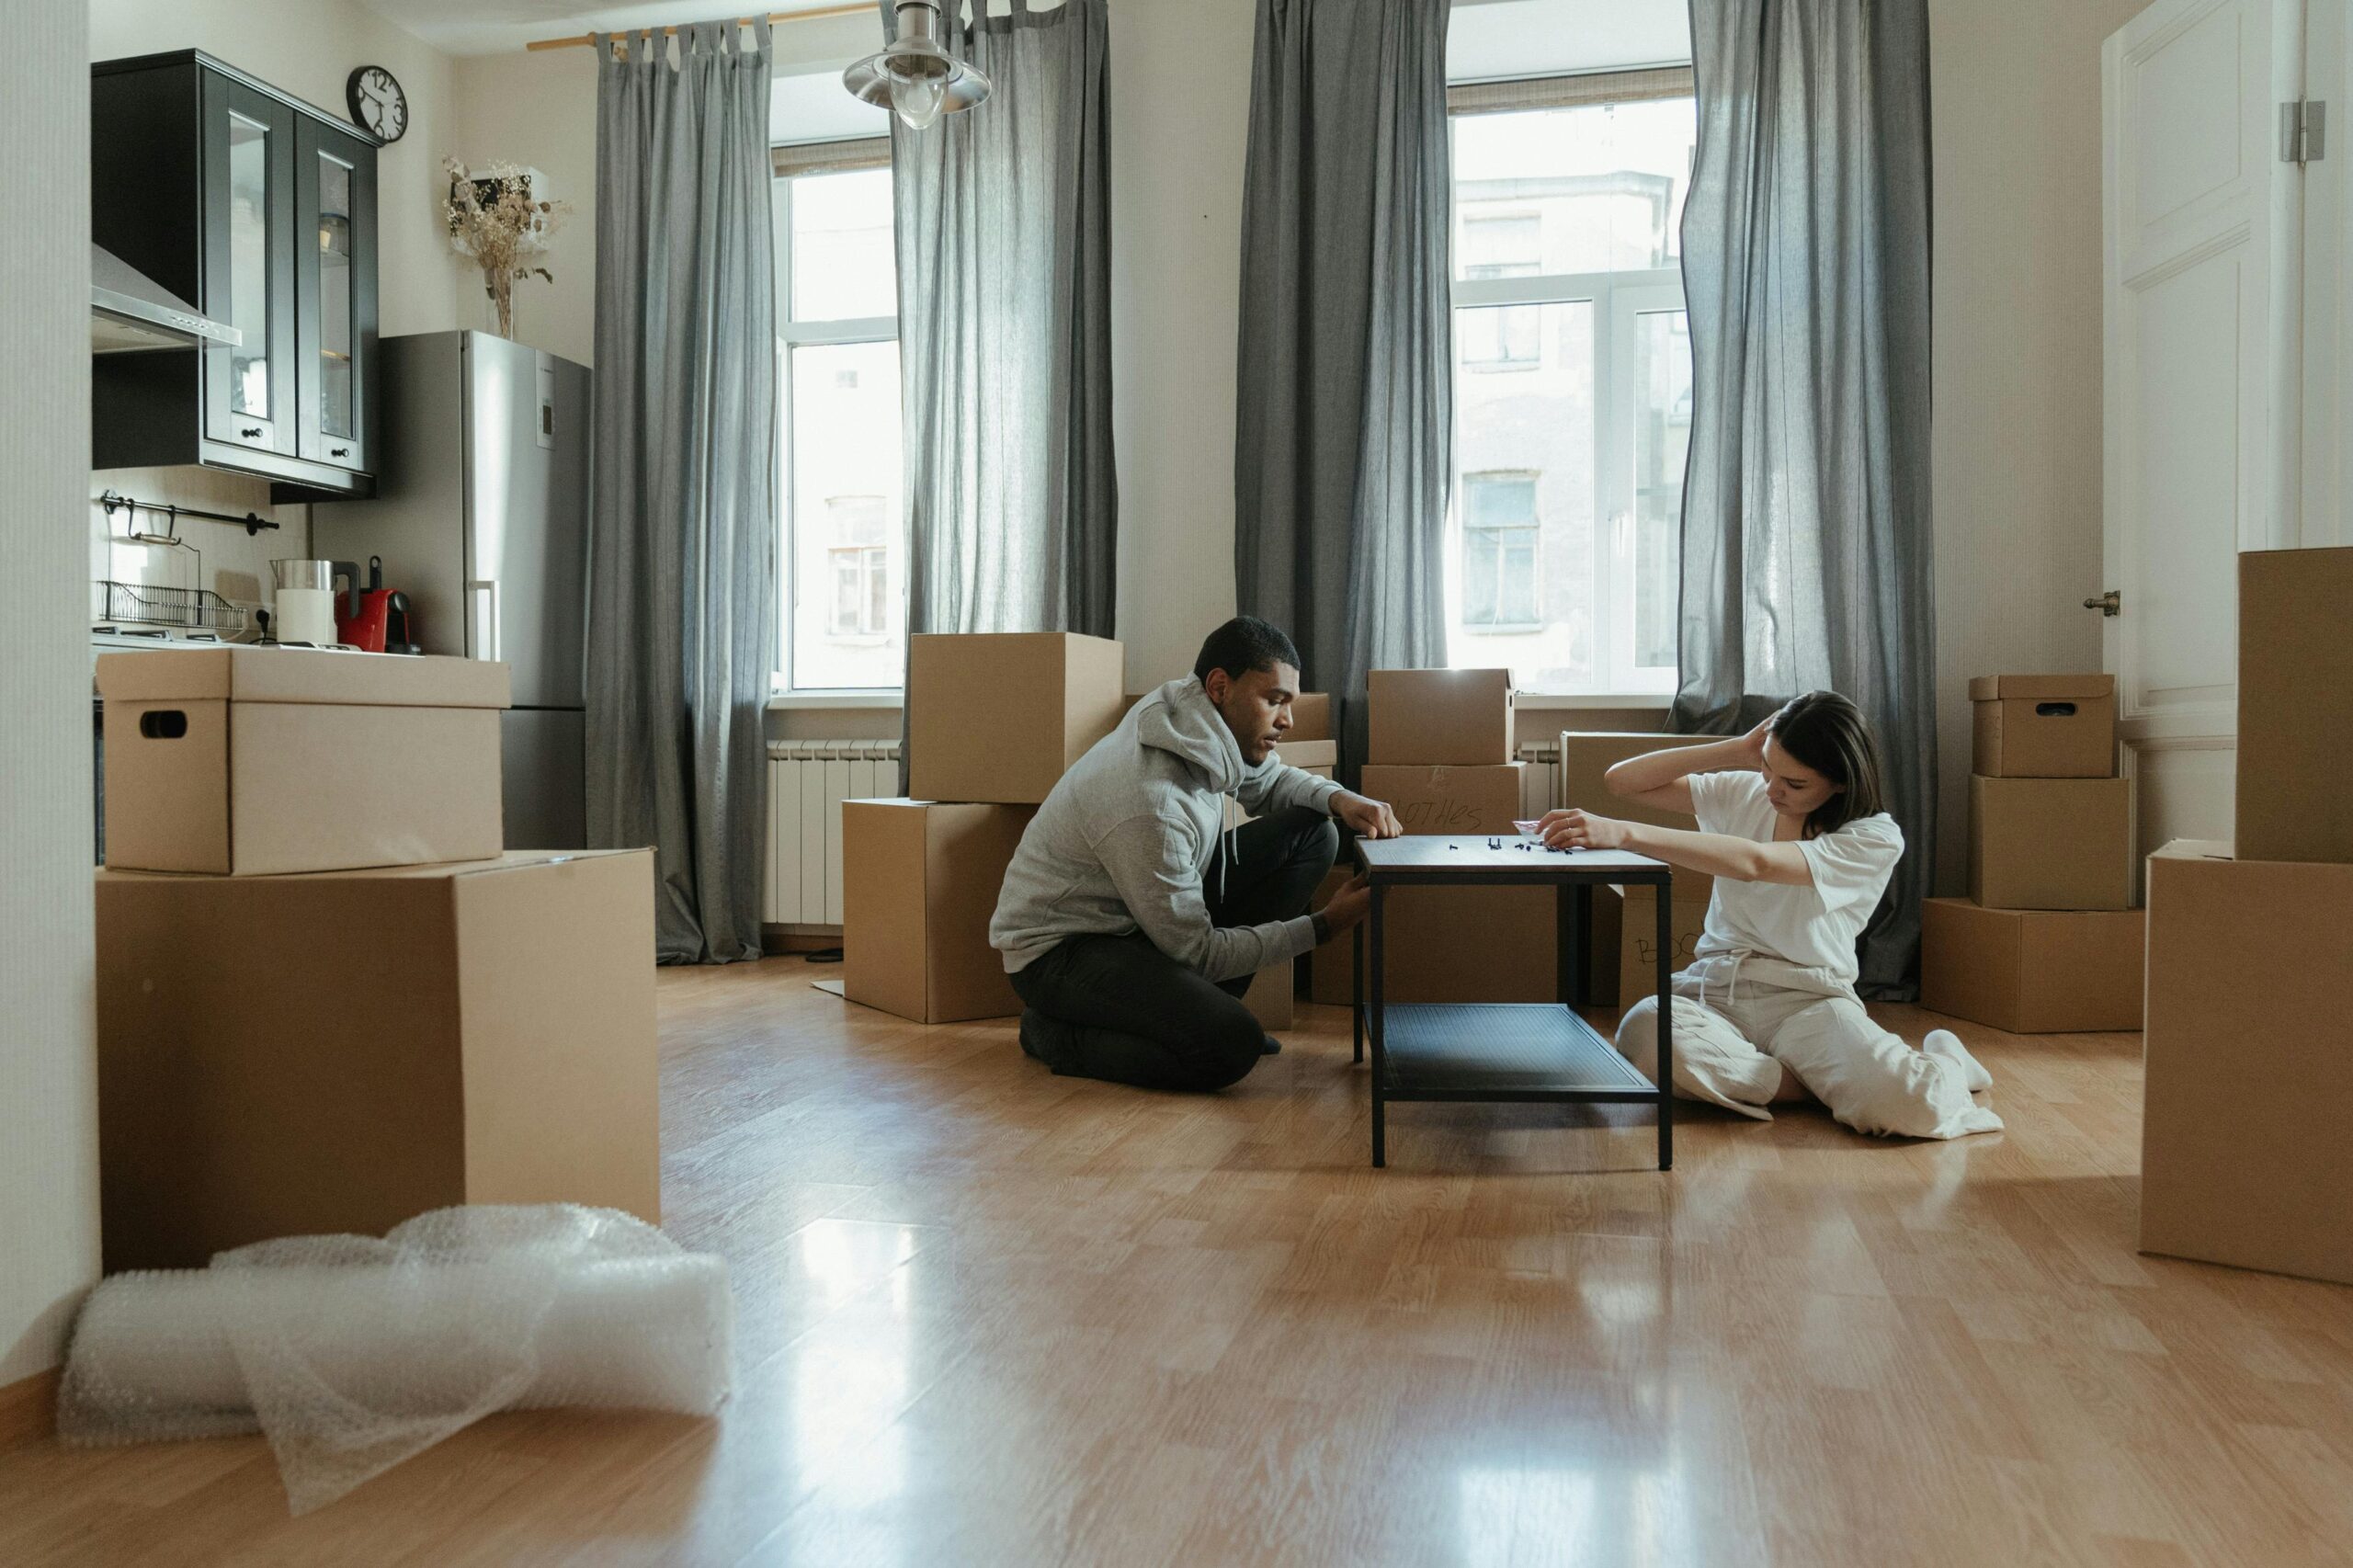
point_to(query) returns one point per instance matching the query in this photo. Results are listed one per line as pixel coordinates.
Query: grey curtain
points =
(1345, 413)
(682, 596)
(1005, 334)
(1806, 540)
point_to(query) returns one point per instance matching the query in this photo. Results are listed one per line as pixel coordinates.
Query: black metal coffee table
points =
(1540, 1051)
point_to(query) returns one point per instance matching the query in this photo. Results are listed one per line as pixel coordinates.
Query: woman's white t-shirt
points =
(1811, 928)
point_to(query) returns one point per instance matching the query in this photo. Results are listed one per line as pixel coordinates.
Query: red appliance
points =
(376, 619)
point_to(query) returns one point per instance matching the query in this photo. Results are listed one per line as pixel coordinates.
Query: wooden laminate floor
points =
(988, 1315)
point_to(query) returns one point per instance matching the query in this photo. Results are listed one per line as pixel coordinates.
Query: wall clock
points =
(376, 103)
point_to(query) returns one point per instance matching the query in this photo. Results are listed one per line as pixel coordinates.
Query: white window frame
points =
(791, 163)
(1616, 298)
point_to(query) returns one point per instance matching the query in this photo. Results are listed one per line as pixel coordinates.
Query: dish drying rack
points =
(141, 604)
(115, 603)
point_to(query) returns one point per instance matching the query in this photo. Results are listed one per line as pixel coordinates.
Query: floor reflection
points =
(852, 1378)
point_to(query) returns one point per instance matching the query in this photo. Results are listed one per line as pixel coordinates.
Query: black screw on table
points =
(1542, 1052)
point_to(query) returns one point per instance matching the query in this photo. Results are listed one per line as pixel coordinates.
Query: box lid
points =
(1310, 754)
(2039, 688)
(2194, 849)
(301, 674)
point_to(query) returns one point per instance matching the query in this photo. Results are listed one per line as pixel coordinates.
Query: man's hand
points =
(1582, 830)
(1370, 818)
(1349, 907)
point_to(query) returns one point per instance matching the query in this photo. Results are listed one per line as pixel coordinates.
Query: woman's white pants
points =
(1733, 1035)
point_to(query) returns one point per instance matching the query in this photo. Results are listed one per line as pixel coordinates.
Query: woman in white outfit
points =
(1791, 828)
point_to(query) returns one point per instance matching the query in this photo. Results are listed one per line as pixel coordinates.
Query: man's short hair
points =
(1246, 643)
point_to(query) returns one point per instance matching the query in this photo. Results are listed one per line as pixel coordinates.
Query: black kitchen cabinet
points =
(261, 210)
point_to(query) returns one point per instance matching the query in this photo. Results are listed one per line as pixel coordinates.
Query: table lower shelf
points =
(1499, 1050)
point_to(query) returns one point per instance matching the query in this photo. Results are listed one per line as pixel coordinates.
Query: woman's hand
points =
(1574, 829)
(1752, 744)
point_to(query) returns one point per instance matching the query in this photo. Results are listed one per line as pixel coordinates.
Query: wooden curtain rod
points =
(584, 40)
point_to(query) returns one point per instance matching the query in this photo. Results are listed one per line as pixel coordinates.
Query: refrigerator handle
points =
(487, 647)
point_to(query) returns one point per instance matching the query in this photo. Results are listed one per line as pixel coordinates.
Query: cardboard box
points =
(1312, 718)
(919, 884)
(1314, 756)
(1450, 718)
(2248, 1053)
(1587, 755)
(319, 1053)
(1458, 943)
(1623, 962)
(2295, 725)
(2051, 843)
(1001, 718)
(2032, 971)
(2044, 726)
(1478, 801)
(258, 761)
(1273, 996)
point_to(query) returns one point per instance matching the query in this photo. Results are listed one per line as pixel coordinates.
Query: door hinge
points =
(2303, 131)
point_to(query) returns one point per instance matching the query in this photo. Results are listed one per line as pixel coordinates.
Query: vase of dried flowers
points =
(499, 223)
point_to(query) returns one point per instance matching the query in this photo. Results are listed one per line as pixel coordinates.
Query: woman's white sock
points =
(1947, 1044)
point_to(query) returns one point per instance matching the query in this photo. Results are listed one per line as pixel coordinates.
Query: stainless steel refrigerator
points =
(481, 518)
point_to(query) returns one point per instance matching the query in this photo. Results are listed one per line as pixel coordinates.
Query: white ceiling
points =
(1489, 39)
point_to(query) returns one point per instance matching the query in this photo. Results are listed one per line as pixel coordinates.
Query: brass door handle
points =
(2110, 603)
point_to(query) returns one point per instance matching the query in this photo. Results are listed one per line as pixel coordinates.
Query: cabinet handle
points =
(250, 431)
(338, 451)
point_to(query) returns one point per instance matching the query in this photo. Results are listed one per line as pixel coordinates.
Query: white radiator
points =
(808, 782)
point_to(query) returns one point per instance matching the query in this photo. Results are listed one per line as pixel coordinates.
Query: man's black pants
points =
(1118, 1008)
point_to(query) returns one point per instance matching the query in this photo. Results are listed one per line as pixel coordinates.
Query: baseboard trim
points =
(28, 1409)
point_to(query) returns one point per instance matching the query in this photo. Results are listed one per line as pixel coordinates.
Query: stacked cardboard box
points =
(1440, 755)
(326, 1001)
(993, 721)
(2048, 940)
(2248, 1056)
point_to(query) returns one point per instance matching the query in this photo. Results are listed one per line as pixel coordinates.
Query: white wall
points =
(2015, 96)
(1180, 124)
(539, 110)
(49, 1134)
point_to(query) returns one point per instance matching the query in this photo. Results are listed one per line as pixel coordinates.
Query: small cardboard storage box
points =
(259, 761)
(2051, 843)
(1001, 718)
(338, 1052)
(919, 884)
(1313, 719)
(1273, 996)
(1439, 717)
(1587, 756)
(1474, 800)
(1625, 965)
(2295, 725)
(1449, 944)
(2247, 1078)
(2044, 726)
(1314, 756)
(2032, 970)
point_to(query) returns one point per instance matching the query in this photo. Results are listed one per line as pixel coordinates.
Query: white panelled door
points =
(2202, 414)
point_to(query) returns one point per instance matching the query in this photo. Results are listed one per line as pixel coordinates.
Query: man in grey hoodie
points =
(1132, 923)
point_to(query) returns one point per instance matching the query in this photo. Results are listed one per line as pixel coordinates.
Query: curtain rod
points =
(584, 40)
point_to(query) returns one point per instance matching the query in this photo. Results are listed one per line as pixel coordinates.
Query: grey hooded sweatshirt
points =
(1123, 842)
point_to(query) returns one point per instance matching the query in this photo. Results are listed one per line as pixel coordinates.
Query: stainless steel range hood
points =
(131, 310)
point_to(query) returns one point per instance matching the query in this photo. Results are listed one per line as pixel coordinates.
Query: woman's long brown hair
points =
(1828, 734)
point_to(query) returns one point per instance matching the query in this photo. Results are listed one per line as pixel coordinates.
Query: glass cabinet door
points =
(336, 291)
(248, 275)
